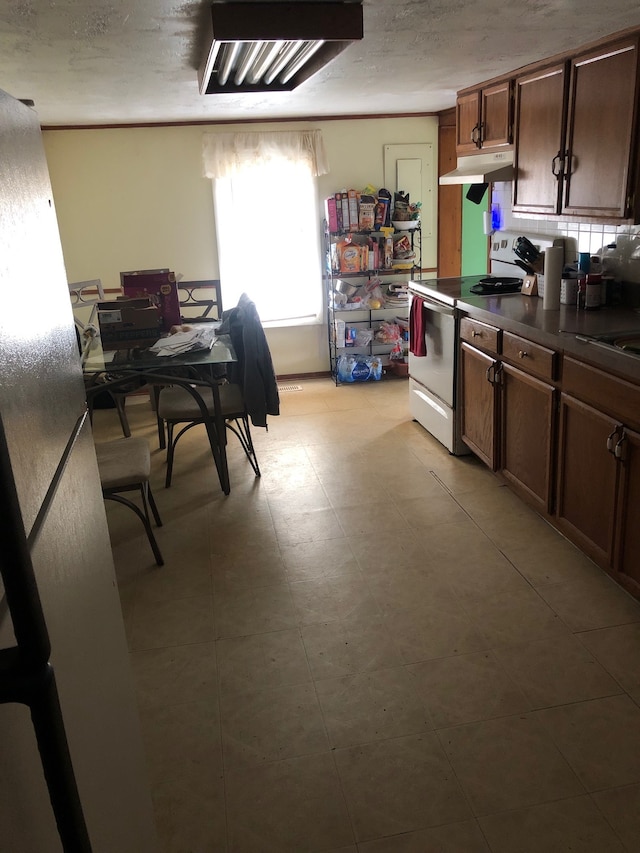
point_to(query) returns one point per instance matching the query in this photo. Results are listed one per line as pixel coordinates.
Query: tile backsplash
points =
(592, 237)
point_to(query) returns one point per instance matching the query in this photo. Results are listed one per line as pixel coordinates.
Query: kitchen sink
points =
(627, 342)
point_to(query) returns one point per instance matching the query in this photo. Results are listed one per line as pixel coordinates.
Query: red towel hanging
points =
(417, 327)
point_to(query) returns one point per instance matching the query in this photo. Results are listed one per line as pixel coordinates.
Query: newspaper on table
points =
(183, 342)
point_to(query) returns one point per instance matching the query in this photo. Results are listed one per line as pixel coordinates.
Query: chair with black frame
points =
(200, 302)
(85, 298)
(249, 393)
(124, 466)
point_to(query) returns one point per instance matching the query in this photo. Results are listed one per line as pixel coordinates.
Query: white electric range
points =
(434, 334)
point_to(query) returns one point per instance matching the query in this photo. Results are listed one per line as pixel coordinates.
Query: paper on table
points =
(183, 342)
(105, 357)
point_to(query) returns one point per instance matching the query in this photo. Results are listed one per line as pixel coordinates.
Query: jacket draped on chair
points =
(257, 379)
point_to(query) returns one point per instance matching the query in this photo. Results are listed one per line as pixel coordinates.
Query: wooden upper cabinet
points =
(495, 116)
(540, 104)
(468, 123)
(599, 170)
(576, 131)
(484, 119)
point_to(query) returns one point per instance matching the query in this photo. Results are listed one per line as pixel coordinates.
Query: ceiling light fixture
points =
(264, 46)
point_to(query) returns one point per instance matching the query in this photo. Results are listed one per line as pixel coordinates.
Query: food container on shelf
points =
(405, 224)
(345, 287)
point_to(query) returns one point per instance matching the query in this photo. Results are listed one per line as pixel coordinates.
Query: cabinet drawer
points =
(530, 357)
(616, 397)
(480, 334)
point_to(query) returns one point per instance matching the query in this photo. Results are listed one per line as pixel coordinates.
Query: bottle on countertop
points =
(593, 291)
(595, 264)
(584, 262)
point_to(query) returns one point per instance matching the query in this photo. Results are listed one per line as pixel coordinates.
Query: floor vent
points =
(289, 387)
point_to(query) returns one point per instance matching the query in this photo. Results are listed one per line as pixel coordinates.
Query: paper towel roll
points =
(553, 262)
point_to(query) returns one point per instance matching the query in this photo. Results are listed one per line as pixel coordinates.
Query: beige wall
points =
(135, 198)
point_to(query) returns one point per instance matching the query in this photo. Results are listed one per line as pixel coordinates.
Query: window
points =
(267, 227)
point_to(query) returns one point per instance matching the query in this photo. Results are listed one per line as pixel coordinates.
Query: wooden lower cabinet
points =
(527, 430)
(569, 446)
(587, 478)
(479, 403)
(627, 542)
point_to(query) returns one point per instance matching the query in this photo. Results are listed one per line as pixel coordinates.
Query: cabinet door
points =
(527, 435)
(478, 401)
(539, 134)
(600, 127)
(495, 116)
(587, 478)
(628, 532)
(468, 123)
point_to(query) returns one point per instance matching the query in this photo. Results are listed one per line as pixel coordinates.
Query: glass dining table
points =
(111, 370)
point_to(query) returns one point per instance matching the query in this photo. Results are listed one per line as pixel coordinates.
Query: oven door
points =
(436, 370)
(432, 378)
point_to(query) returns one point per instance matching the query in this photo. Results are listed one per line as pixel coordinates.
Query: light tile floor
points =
(375, 647)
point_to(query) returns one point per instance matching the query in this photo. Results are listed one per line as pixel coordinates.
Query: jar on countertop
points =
(593, 292)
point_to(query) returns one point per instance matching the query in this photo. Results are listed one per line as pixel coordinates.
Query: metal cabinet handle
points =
(557, 164)
(570, 162)
(475, 136)
(475, 334)
(522, 353)
(618, 450)
(610, 439)
(493, 373)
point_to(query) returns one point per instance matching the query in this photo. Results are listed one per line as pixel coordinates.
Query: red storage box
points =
(160, 286)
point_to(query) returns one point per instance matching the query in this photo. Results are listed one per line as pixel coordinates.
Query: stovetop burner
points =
(493, 284)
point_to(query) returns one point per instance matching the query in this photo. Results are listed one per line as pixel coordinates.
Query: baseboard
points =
(289, 377)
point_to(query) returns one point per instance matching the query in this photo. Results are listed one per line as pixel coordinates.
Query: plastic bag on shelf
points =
(388, 333)
(358, 368)
(397, 353)
(374, 295)
(364, 337)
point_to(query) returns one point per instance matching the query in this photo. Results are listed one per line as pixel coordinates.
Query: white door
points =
(411, 168)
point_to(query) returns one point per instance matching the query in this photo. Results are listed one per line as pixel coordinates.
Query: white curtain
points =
(225, 154)
(267, 221)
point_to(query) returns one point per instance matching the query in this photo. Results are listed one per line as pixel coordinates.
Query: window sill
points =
(293, 322)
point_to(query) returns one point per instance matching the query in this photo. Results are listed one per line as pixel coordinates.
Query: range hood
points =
(481, 169)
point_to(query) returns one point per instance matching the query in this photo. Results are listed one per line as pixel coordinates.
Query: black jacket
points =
(254, 369)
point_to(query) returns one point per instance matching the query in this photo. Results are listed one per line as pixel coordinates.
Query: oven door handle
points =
(431, 305)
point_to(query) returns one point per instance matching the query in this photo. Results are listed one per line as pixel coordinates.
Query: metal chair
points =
(200, 302)
(198, 299)
(177, 406)
(85, 298)
(124, 466)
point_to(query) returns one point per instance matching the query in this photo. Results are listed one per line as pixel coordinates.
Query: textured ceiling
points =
(87, 62)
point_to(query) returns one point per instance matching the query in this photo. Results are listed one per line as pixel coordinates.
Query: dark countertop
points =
(524, 315)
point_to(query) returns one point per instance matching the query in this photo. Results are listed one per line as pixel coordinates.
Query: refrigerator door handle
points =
(26, 676)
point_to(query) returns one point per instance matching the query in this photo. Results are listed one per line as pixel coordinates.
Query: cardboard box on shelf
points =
(354, 220)
(126, 323)
(339, 220)
(331, 213)
(345, 210)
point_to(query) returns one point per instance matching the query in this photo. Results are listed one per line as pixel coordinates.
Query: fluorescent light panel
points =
(262, 47)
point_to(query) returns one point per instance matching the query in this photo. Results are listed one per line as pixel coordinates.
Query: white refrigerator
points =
(72, 768)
